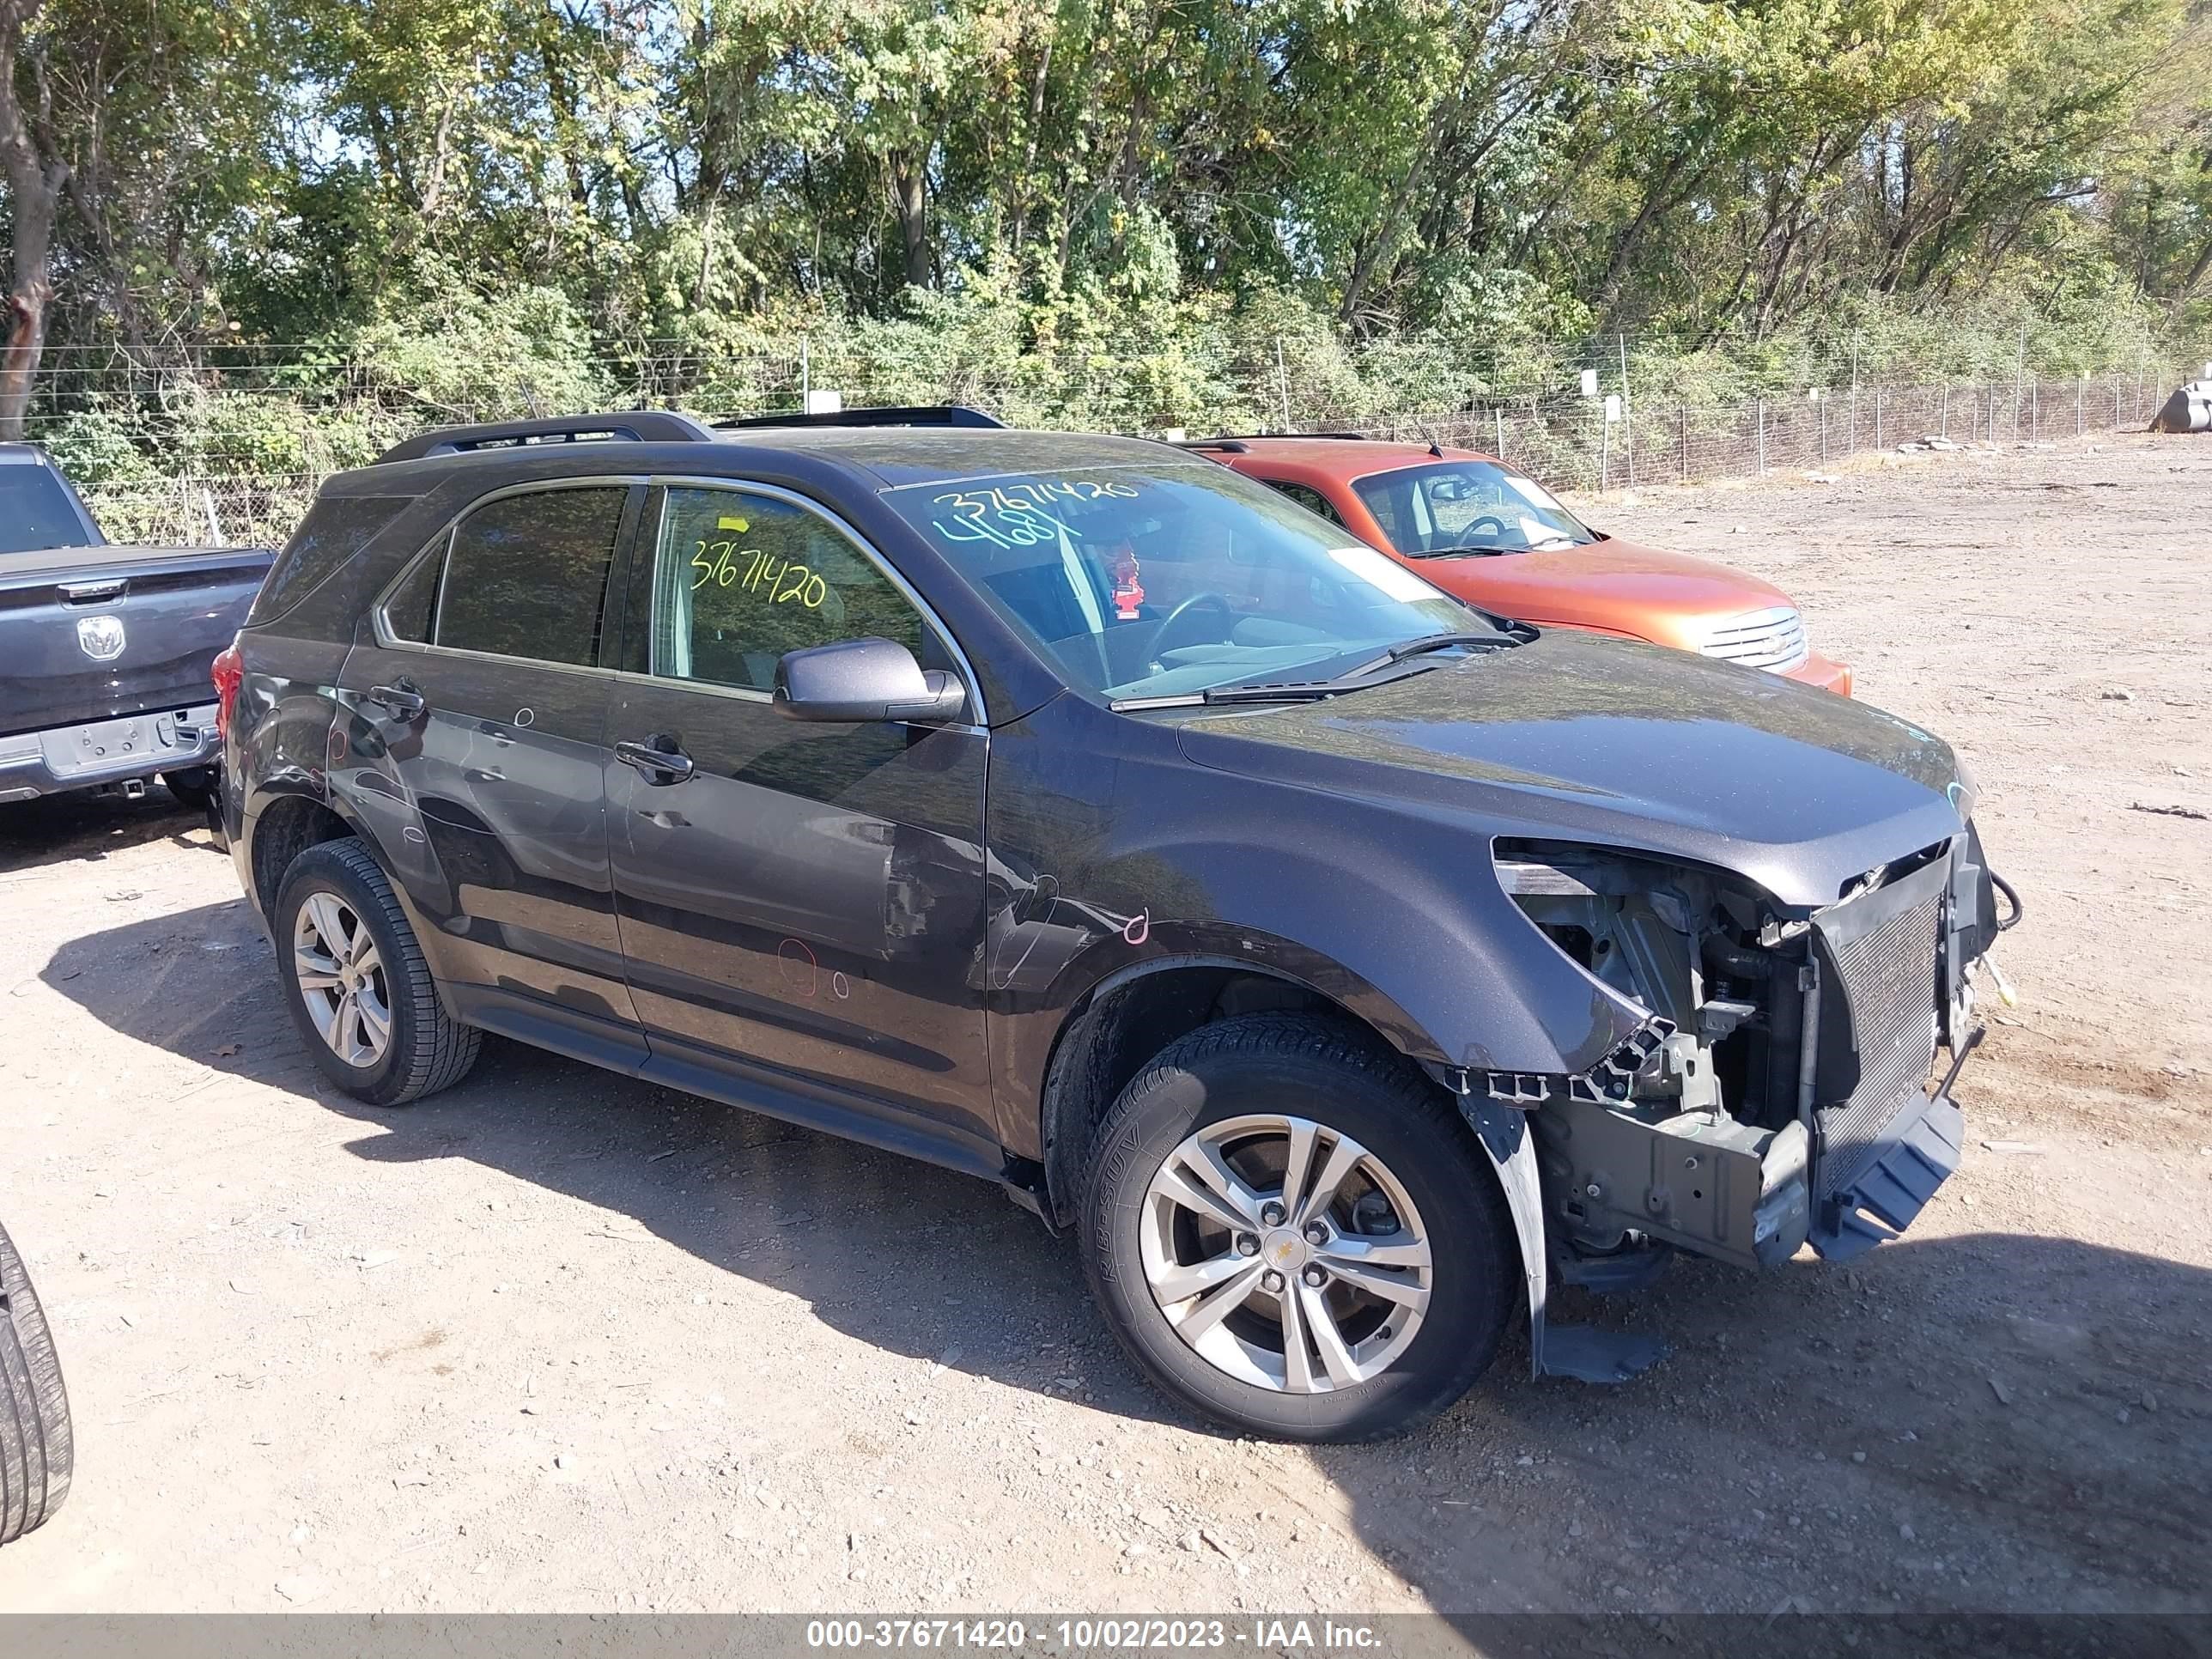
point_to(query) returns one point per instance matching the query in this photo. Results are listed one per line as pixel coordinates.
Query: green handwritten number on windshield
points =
(1020, 514)
(781, 582)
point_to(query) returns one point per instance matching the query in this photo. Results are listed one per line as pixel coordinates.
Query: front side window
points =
(740, 579)
(527, 576)
(1467, 507)
(1175, 578)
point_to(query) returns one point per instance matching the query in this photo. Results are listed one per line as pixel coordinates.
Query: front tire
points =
(1292, 1231)
(357, 983)
(37, 1450)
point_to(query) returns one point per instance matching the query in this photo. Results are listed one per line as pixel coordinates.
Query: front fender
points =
(1111, 860)
(1451, 977)
(1415, 915)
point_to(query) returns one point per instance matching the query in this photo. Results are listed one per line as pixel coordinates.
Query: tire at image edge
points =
(430, 1050)
(38, 1451)
(1295, 1063)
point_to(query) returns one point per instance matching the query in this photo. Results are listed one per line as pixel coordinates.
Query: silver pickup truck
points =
(105, 651)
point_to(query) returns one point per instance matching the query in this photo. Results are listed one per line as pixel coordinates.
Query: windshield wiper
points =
(1472, 551)
(1274, 691)
(1422, 647)
(1288, 691)
(1368, 674)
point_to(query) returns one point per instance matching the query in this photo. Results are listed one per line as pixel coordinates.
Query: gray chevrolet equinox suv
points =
(1344, 966)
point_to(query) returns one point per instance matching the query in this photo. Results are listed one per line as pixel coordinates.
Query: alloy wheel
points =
(342, 978)
(1285, 1254)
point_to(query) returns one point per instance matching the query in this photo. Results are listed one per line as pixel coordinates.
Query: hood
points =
(1576, 737)
(1620, 587)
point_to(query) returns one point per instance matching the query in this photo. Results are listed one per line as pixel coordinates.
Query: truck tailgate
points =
(61, 611)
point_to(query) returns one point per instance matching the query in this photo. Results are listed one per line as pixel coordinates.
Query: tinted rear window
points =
(35, 511)
(336, 528)
(527, 575)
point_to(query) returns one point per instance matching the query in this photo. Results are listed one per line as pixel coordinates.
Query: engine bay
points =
(1782, 1057)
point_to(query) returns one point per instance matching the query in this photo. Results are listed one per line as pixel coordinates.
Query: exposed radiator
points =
(1889, 979)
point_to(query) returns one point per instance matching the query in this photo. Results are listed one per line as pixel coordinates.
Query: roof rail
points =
(902, 415)
(1226, 446)
(637, 426)
(1227, 439)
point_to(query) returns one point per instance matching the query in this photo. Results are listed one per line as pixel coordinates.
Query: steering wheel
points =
(1475, 528)
(1167, 638)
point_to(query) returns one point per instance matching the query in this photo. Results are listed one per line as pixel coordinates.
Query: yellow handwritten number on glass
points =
(711, 562)
(782, 580)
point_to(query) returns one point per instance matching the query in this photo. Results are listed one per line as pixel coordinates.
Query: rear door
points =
(798, 901)
(477, 738)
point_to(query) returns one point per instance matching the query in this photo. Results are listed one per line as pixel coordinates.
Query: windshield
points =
(1468, 507)
(1171, 580)
(35, 511)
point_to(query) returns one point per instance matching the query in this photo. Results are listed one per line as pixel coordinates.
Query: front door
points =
(480, 707)
(797, 899)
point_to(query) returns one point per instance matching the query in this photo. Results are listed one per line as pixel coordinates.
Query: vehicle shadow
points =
(1971, 1421)
(56, 829)
(1976, 1422)
(902, 1254)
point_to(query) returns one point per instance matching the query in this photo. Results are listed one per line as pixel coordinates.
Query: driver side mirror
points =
(857, 681)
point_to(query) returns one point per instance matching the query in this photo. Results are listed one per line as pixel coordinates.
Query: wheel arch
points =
(1113, 1029)
(279, 830)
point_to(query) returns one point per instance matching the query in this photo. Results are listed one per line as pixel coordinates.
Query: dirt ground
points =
(561, 1340)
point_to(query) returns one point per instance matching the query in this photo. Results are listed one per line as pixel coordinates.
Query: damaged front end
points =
(1775, 1093)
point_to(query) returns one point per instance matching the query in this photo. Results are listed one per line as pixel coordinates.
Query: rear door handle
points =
(402, 701)
(659, 759)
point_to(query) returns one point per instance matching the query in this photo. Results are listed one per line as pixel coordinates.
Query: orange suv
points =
(1497, 539)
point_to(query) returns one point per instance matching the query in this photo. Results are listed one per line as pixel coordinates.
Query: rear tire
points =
(37, 1450)
(355, 981)
(1378, 1242)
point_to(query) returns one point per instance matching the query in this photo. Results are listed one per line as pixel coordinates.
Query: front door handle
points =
(659, 759)
(400, 700)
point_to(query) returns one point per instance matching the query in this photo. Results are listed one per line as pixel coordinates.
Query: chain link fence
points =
(1574, 443)
(215, 511)
(1598, 443)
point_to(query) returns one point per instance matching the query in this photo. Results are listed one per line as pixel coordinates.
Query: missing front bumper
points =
(1882, 1141)
(1703, 1182)
(1919, 1151)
